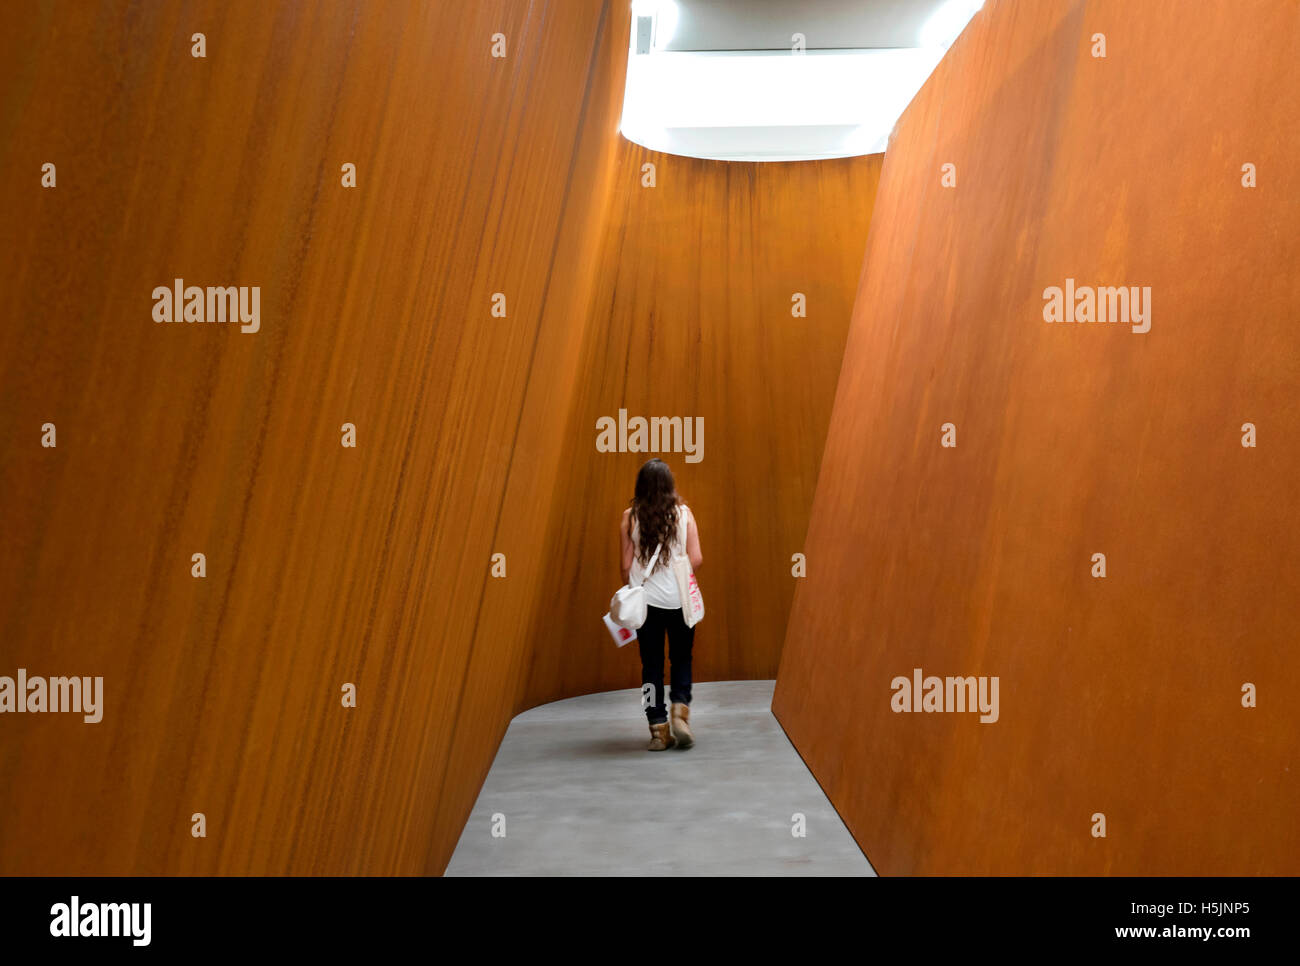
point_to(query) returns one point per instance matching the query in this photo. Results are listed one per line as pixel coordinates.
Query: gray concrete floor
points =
(580, 795)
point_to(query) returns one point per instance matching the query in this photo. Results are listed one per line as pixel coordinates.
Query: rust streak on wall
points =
(325, 565)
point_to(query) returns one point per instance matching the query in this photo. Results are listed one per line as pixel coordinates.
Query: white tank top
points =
(660, 586)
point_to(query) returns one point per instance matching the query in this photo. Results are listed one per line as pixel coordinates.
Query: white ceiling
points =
(719, 79)
(827, 24)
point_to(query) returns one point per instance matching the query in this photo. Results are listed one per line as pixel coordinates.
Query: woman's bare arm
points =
(693, 541)
(626, 547)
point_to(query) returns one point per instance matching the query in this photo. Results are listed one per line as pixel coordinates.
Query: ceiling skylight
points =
(806, 96)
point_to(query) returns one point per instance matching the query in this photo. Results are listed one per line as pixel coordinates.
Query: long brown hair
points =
(654, 504)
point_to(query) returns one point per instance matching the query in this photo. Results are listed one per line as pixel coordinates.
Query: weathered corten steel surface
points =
(1120, 696)
(369, 565)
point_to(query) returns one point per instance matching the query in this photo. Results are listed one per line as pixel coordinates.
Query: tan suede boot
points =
(681, 718)
(660, 737)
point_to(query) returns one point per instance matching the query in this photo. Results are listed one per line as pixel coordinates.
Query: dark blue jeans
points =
(650, 636)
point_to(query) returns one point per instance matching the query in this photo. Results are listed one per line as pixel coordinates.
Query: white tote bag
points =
(688, 588)
(627, 608)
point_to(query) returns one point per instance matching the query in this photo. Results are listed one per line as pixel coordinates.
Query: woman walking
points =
(657, 516)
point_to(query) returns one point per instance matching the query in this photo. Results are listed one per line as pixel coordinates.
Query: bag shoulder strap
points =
(649, 568)
(635, 534)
